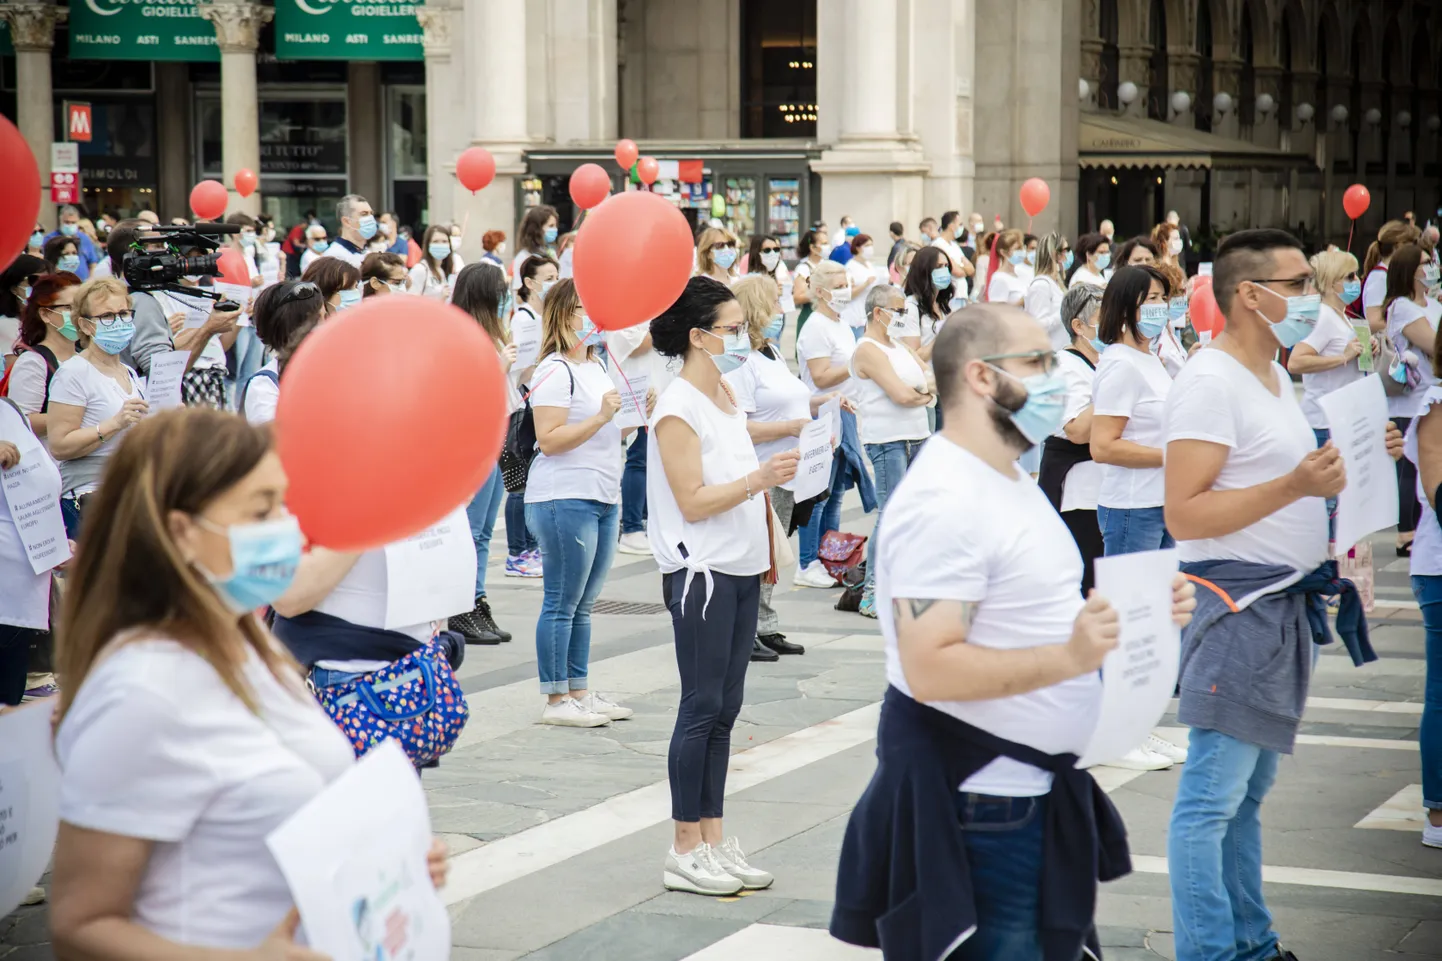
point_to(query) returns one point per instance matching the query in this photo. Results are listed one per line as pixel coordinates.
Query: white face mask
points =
(1174, 246)
(455, 243)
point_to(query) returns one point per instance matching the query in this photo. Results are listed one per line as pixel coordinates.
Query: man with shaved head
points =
(992, 658)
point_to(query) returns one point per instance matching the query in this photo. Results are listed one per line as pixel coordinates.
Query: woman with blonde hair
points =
(1394, 233)
(716, 253)
(1327, 358)
(1044, 293)
(185, 734)
(573, 496)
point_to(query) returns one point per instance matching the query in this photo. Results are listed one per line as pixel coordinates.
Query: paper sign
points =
(526, 334)
(29, 800)
(1204, 270)
(1357, 418)
(1364, 337)
(240, 293)
(831, 410)
(354, 858)
(32, 492)
(162, 387)
(431, 575)
(813, 473)
(633, 398)
(1139, 675)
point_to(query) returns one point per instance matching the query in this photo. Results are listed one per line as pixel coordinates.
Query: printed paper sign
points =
(431, 575)
(1364, 337)
(29, 800)
(1138, 677)
(813, 473)
(162, 387)
(526, 334)
(32, 493)
(1357, 418)
(633, 399)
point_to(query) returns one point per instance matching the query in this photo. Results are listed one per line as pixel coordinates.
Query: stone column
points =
(32, 28)
(1091, 70)
(1227, 78)
(1266, 130)
(237, 30)
(1335, 143)
(440, 185)
(1182, 67)
(1134, 64)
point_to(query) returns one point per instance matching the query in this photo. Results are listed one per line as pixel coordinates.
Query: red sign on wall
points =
(77, 121)
(64, 187)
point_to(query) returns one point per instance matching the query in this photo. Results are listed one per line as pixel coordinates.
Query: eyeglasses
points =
(1045, 358)
(725, 244)
(729, 328)
(119, 317)
(1298, 286)
(302, 290)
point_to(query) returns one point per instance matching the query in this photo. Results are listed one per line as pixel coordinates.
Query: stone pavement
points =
(559, 834)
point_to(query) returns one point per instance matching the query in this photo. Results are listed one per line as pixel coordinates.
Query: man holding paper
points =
(992, 658)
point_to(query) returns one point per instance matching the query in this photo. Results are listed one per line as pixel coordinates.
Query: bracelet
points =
(99, 434)
(747, 481)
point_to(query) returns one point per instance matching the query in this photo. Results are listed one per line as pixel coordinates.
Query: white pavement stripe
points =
(1318, 878)
(779, 941)
(540, 847)
(1401, 812)
(1325, 740)
(1350, 704)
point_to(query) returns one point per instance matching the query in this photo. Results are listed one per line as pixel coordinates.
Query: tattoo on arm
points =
(919, 606)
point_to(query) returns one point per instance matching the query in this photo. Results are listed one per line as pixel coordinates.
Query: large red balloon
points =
(369, 467)
(245, 181)
(647, 169)
(589, 185)
(233, 269)
(1356, 201)
(475, 168)
(19, 192)
(1035, 195)
(209, 199)
(1203, 310)
(633, 258)
(626, 153)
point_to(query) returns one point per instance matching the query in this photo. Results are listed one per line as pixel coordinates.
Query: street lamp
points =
(1339, 114)
(1127, 93)
(1265, 104)
(1404, 119)
(1181, 103)
(1373, 116)
(1222, 103)
(1084, 89)
(1305, 112)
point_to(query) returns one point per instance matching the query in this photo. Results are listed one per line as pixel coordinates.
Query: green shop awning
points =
(141, 30)
(347, 30)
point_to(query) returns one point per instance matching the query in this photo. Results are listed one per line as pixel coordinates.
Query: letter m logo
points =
(78, 124)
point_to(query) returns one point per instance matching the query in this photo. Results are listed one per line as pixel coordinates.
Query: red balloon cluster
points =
(245, 181)
(442, 420)
(633, 258)
(1035, 195)
(208, 199)
(590, 185)
(626, 153)
(1356, 201)
(475, 168)
(1202, 307)
(19, 192)
(647, 169)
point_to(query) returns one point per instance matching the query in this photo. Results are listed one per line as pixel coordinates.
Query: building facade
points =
(766, 114)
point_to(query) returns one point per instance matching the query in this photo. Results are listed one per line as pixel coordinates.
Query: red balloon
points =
(19, 192)
(1035, 195)
(440, 421)
(589, 185)
(1203, 309)
(1356, 201)
(233, 269)
(475, 168)
(633, 258)
(626, 153)
(209, 199)
(245, 181)
(648, 170)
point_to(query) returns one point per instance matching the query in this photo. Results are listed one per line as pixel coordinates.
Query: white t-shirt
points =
(27, 381)
(854, 313)
(1133, 385)
(1017, 562)
(768, 392)
(25, 595)
(424, 283)
(1374, 288)
(914, 324)
(1083, 275)
(1005, 288)
(621, 345)
(732, 542)
(262, 395)
(832, 339)
(1217, 400)
(591, 471)
(9, 333)
(1329, 338)
(1426, 558)
(1043, 301)
(157, 747)
(881, 419)
(308, 257)
(80, 384)
(1084, 480)
(1168, 349)
(1400, 316)
(360, 598)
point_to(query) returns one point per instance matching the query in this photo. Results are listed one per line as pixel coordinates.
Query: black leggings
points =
(1088, 537)
(712, 654)
(1409, 509)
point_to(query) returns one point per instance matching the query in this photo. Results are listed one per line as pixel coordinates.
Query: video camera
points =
(155, 261)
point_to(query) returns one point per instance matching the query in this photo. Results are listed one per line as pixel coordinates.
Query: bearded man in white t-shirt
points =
(986, 637)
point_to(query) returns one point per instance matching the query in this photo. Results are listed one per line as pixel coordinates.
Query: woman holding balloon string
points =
(434, 275)
(536, 238)
(1327, 358)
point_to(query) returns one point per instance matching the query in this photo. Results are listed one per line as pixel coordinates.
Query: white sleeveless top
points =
(881, 419)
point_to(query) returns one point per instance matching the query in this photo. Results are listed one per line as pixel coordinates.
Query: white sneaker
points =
(814, 574)
(733, 861)
(698, 872)
(600, 704)
(1431, 835)
(1160, 745)
(1141, 759)
(634, 543)
(568, 712)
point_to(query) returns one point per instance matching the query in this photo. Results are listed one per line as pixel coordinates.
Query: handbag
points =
(520, 446)
(843, 555)
(415, 700)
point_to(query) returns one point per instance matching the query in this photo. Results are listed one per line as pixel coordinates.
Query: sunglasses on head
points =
(303, 290)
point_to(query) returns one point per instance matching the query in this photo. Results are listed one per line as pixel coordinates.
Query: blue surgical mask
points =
(738, 348)
(1045, 406)
(247, 238)
(941, 278)
(70, 230)
(1430, 274)
(724, 257)
(263, 557)
(1302, 313)
(546, 286)
(115, 338)
(1031, 257)
(1104, 261)
(591, 335)
(1351, 290)
(772, 331)
(439, 251)
(320, 246)
(1067, 261)
(551, 235)
(70, 262)
(1017, 257)
(853, 231)
(366, 226)
(1177, 311)
(37, 239)
(349, 298)
(1151, 320)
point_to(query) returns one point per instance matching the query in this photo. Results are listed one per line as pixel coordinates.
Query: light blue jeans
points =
(481, 512)
(825, 516)
(889, 462)
(1214, 851)
(249, 354)
(578, 543)
(1428, 591)
(1128, 530)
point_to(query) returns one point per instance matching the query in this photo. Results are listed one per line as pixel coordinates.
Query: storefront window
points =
(406, 132)
(778, 68)
(117, 165)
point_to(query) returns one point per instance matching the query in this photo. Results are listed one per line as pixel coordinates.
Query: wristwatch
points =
(99, 434)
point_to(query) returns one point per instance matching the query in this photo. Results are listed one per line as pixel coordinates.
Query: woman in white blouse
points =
(434, 275)
(1008, 251)
(1093, 256)
(1043, 295)
(710, 530)
(185, 733)
(1327, 357)
(1411, 325)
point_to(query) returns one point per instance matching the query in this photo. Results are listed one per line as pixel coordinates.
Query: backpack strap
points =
(269, 375)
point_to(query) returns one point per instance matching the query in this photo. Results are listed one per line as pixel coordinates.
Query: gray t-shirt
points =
(152, 333)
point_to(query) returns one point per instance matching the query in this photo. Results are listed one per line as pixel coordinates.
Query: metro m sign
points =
(77, 121)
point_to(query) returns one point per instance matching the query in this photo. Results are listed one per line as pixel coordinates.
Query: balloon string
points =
(624, 379)
(1349, 235)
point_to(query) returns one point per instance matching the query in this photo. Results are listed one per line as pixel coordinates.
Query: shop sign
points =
(346, 30)
(170, 30)
(78, 125)
(64, 187)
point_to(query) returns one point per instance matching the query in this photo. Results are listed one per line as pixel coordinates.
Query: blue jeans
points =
(889, 462)
(1323, 435)
(633, 486)
(578, 542)
(1214, 851)
(1128, 530)
(249, 354)
(1003, 837)
(1428, 591)
(481, 512)
(825, 516)
(519, 539)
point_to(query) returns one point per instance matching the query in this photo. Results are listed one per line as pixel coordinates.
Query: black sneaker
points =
(473, 629)
(779, 644)
(759, 653)
(483, 614)
(1284, 955)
